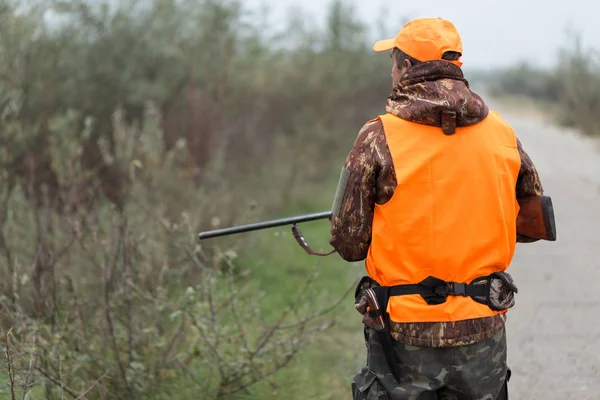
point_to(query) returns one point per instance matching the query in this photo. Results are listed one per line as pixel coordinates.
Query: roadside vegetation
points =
(123, 133)
(570, 91)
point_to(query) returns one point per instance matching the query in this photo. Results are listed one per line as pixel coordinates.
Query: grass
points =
(279, 266)
(323, 370)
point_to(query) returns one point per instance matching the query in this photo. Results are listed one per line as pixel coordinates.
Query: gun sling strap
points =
(435, 291)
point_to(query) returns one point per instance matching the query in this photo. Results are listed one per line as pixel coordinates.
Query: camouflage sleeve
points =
(528, 183)
(352, 210)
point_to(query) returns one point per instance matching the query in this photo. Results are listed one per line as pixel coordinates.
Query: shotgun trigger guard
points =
(304, 244)
(299, 236)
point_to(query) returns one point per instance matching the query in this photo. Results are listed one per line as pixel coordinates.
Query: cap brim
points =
(384, 45)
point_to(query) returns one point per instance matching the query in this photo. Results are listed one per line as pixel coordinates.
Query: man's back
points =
(452, 215)
(369, 179)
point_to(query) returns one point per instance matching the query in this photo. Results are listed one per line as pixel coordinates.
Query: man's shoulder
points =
(370, 147)
(370, 134)
(504, 131)
(495, 116)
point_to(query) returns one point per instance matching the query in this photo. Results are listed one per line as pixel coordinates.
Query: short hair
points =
(401, 56)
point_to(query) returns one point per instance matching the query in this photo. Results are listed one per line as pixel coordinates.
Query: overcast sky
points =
(493, 32)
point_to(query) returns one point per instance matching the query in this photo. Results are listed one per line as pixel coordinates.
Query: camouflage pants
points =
(476, 372)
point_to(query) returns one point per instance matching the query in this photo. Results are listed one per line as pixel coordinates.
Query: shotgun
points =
(535, 220)
(272, 224)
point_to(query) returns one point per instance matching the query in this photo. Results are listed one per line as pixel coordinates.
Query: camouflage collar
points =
(432, 89)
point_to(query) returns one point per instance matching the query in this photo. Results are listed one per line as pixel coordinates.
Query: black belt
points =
(433, 290)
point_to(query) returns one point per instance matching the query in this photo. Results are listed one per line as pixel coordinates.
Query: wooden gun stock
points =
(536, 218)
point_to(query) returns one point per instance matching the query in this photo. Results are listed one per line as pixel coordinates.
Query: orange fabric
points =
(452, 216)
(425, 39)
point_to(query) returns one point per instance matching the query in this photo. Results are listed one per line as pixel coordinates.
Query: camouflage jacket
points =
(369, 178)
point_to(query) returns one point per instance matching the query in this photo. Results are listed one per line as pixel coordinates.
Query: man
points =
(430, 190)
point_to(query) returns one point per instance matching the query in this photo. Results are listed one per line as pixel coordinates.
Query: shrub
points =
(572, 87)
(123, 132)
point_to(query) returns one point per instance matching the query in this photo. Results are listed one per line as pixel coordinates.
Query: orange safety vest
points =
(452, 216)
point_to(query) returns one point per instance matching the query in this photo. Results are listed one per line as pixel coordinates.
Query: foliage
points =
(125, 130)
(527, 81)
(572, 87)
(579, 72)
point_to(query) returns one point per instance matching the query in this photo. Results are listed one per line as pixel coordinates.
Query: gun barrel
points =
(264, 225)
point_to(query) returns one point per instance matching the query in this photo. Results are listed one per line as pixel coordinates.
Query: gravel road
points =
(554, 328)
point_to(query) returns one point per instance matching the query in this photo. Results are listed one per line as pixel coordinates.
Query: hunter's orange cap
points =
(425, 39)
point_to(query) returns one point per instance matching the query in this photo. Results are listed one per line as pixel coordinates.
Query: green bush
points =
(123, 132)
(571, 88)
(579, 72)
(525, 80)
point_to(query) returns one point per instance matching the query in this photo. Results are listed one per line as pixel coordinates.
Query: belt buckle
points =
(459, 289)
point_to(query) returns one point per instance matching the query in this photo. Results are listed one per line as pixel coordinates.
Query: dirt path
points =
(554, 329)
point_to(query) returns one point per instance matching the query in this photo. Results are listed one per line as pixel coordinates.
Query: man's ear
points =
(406, 63)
